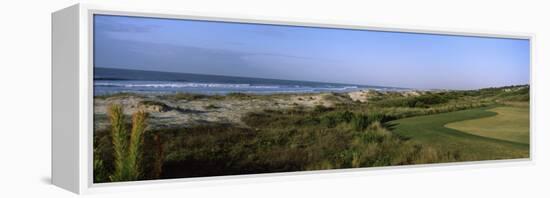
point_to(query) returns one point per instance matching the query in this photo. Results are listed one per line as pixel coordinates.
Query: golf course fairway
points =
(510, 123)
(431, 131)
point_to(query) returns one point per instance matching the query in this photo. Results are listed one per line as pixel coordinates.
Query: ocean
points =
(111, 81)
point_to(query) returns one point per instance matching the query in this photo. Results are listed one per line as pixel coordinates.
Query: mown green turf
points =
(510, 123)
(430, 130)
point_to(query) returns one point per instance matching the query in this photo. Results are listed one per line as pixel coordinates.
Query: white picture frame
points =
(72, 108)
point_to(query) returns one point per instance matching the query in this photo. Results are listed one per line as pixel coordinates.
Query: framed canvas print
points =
(142, 97)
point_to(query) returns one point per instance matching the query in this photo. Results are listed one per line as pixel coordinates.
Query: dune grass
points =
(510, 123)
(430, 130)
(127, 146)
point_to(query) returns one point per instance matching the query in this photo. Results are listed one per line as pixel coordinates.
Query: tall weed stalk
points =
(126, 146)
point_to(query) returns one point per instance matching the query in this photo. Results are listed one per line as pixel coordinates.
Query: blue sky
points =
(393, 59)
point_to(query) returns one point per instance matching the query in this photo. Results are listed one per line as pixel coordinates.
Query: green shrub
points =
(360, 122)
(345, 116)
(329, 121)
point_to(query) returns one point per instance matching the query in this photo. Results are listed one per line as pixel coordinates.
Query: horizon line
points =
(374, 86)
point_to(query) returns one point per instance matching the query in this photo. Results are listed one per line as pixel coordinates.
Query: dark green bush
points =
(360, 122)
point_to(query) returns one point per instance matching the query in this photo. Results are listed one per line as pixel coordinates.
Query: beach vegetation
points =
(390, 129)
(126, 146)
